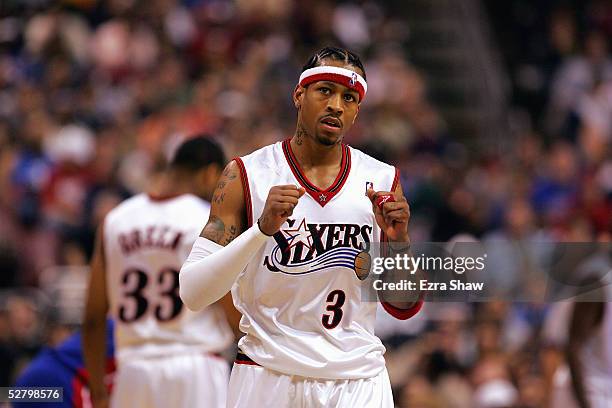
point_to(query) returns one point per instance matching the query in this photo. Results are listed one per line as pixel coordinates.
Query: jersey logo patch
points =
(306, 248)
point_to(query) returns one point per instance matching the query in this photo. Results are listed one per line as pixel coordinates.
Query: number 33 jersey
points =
(146, 240)
(300, 297)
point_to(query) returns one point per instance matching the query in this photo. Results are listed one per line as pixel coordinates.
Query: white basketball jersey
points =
(146, 241)
(300, 296)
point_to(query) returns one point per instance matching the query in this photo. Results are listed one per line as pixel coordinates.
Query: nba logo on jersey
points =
(353, 79)
(369, 185)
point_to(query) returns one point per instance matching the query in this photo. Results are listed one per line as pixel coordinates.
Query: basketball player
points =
(589, 353)
(63, 367)
(284, 230)
(165, 353)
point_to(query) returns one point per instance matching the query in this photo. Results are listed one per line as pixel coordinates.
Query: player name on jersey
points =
(152, 237)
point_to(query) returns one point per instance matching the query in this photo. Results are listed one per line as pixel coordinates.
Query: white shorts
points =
(253, 386)
(181, 381)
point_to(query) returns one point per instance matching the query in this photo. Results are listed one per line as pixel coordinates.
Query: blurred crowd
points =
(95, 95)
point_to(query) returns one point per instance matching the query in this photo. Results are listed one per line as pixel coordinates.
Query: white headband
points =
(343, 76)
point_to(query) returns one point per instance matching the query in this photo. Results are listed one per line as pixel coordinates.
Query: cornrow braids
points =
(337, 54)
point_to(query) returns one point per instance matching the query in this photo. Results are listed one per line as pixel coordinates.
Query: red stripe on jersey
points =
(246, 190)
(242, 358)
(246, 363)
(403, 314)
(320, 196)
(160, 198)
(395, 180)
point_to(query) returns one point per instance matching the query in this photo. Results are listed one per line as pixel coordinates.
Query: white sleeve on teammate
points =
(211, 269)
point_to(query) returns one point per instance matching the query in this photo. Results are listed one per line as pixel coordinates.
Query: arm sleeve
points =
(211, 269)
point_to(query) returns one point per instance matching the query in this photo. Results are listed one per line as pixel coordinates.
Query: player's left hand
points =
(391, 216)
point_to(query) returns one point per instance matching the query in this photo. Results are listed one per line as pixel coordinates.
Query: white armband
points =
(211, 269)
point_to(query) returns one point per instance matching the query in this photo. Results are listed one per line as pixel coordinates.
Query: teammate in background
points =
(63, 367)
(589, 353)
(285, 227)
(165, 352)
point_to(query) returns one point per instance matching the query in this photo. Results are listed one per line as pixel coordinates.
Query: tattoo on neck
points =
(300, 135)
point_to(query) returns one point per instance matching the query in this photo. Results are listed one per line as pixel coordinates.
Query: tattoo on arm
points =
(219, 197)
(232, 233)
(219, 194)
(214, 229)
(228, 175)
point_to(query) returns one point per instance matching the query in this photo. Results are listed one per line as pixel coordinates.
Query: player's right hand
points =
(279, 206)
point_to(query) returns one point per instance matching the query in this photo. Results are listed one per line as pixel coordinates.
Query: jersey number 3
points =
(335, 300)
(136, 304)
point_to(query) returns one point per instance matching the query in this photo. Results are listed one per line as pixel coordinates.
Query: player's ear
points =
(298, 96)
